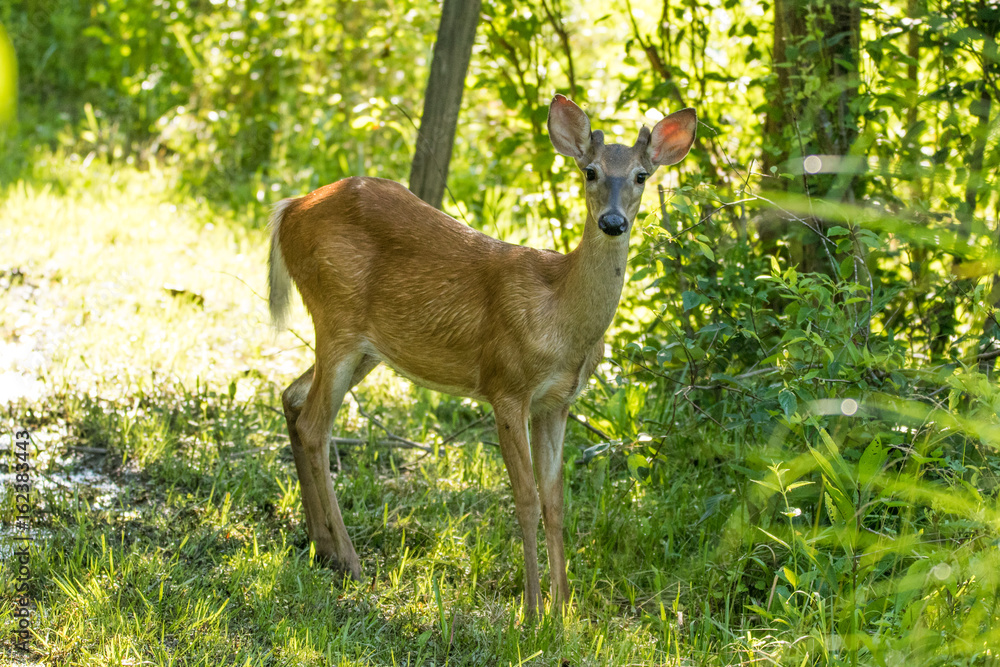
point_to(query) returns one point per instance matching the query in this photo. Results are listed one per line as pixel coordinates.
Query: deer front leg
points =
(547, 431)
(512, 428)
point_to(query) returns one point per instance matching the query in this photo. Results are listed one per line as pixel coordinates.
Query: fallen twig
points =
(251, 452)
(333, 440)
(87, 450)
(393, 439)
(403, 442)
(466, 428)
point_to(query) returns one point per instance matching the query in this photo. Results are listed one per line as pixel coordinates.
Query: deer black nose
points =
(612, 224)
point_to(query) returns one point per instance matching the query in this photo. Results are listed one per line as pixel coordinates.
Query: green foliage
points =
(249, 94)
(863, 474)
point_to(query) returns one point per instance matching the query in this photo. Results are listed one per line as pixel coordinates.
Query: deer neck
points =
(592, 285)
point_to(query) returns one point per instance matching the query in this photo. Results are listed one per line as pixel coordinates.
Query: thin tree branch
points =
(593, 429)
(403, 442)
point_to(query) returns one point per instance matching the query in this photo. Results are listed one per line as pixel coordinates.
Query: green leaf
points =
(681, 206)
(641, 273)
(666, 353)
(846, 269)
(796, 485)
(509, 96)
(845, 508)
(696, 351)
(831, 509)
(592, 452)
(712, 328)
(706, 251)
(823, 463)
(845, 473)
(638, 466)
(767, 484)
(763, 613)
(691, 299)
(872, 461)
(788, 402)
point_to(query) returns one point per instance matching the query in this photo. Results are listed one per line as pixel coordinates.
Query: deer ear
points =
(672, 137)
(569, 128)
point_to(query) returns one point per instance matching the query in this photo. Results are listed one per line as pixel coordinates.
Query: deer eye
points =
(641, 178)
(591, 173)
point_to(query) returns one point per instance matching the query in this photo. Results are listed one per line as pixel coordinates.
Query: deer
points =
(390, 279)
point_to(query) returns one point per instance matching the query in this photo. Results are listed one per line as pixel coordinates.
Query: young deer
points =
(388, 278)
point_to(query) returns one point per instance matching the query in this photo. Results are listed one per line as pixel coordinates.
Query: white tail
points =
(388, 278)
(279, 283)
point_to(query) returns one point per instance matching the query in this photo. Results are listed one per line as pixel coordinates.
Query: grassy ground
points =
(137, 352)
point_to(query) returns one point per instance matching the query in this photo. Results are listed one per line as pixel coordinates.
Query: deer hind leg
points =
(292, 400)
(367, 365)
(512, 428)
(547, 431)
(311, 404)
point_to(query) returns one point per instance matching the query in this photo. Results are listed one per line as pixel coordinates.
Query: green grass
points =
(201, 557)
(172, 527)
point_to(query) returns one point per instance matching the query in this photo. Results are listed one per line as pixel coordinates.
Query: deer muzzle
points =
(613, 224)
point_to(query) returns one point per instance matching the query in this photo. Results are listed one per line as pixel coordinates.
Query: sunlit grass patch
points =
(121, 284)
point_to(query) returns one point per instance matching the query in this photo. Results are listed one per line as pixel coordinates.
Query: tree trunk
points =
(915, 10)
(815, 66)
(819, 41)
(443, 99)
(989, 25)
